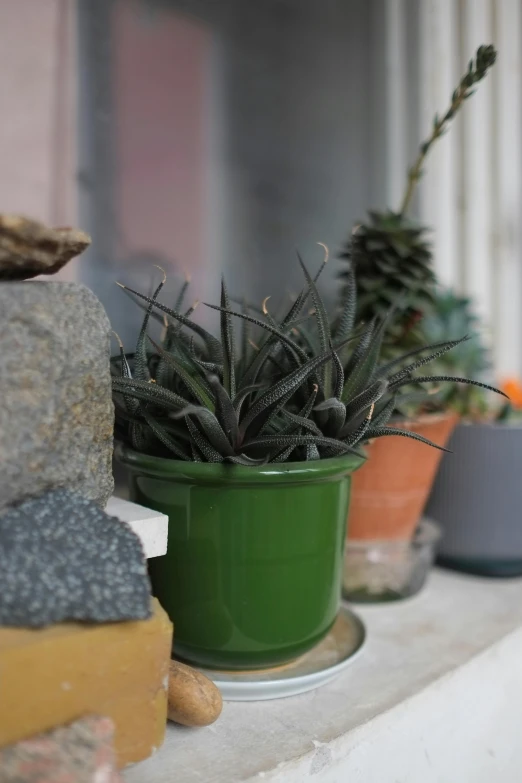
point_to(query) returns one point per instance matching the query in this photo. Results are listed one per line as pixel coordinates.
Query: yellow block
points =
(57, 674)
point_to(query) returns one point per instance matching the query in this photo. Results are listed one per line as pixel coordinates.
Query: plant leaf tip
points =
(163, 273)
(326, 251)
(117, 336)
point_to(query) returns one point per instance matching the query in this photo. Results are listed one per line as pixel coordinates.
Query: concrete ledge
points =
(150, 526)
(435, 697)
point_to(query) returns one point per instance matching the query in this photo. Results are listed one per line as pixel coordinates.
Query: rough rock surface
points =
(29, 248)
(81, 752)
(56, 411)
(63, 558)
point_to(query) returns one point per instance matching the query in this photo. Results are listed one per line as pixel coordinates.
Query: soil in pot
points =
(390, 490)
(252, 576)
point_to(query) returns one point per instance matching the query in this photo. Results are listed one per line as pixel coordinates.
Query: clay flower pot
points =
(390, 490)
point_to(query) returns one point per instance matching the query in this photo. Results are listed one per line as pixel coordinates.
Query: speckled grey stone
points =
(63, 558)
(56, 412)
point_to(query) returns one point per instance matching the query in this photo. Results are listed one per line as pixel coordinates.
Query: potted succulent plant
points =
(477, 495)
(391, 257)
(249, 450)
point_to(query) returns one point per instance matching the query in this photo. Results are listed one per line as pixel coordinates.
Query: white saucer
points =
(315, 668)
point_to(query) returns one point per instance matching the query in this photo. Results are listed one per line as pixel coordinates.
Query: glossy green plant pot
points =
(252, 575)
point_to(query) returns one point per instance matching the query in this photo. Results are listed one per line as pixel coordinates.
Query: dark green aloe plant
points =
(301, 390)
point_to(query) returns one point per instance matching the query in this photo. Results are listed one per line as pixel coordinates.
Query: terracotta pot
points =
(390, 491)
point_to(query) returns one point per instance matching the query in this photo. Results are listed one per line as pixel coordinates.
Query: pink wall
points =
(37, 99)
(158, 88)
(159, 93)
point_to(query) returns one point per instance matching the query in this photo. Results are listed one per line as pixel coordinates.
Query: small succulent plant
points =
(390, 253)
(450, 316)
(301, 391)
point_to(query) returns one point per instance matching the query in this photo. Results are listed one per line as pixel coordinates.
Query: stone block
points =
(58, 674)
(63, 558)
(56, 411)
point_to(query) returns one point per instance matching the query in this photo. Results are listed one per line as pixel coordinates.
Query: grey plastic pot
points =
(477, 500)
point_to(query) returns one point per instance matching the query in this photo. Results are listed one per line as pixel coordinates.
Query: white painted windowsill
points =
(435, 697)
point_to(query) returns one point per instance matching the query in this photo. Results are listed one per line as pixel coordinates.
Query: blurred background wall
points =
(38, 96)
(212, 137)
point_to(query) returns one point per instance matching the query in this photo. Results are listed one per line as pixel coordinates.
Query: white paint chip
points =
(150, 526)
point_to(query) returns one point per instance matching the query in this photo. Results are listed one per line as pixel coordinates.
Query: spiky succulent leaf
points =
(275, 441)
(432, 355)
(211, 428)
(242, 459)
(191, 381)
(323, 326)
(131, 404)
(304, 423)
(242, 395)
(227, 341)
(205, 447)
(383, 416)
(226, 411)
(445, 346)
(149, 392)
(165, 438)
(336, 415)
(283, 388)
(214, 346)
(339, 374)
(346, 321)
(141, 365)
(365, 399)
(360, 433)
(361, 348)
(363, 371)
(379, 432)
(250, 376)
(445, 379)
(284, 455)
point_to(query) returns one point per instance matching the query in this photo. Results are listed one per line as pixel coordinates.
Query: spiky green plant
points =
(451, 316)
(390, 253)
(282, 397)
(391, 256)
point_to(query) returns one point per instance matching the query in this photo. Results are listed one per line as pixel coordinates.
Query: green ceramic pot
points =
(252, 575)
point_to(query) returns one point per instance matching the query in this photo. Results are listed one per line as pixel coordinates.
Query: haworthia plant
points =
(300, 388)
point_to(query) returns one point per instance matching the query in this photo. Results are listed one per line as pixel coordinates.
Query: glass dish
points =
(378, 571)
